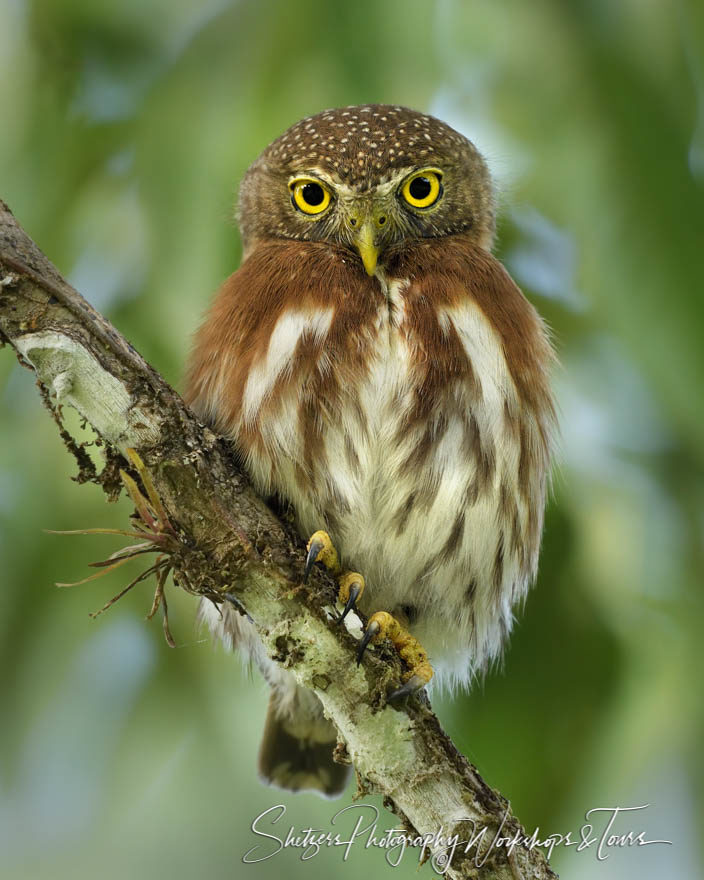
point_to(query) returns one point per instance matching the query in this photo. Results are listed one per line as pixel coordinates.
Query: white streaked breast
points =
(289, 329)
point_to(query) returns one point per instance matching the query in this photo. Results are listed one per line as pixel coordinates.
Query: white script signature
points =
(597, 834)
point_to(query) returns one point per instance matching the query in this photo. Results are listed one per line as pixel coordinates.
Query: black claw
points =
(355, 590)
(313, 551)
(371, 631)
(401, 692)
(413, 684)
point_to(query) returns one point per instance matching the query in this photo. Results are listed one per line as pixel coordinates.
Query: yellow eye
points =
(309, 195)
(423, 188)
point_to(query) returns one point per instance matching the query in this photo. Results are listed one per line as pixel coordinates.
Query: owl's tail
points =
(296, 751)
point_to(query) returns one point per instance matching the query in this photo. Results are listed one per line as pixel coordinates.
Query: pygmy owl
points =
(377, 369)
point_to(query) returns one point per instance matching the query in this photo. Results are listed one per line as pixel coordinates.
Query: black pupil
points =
(313, 194)
(420, 188)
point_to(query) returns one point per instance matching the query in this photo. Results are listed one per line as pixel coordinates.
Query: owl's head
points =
(367, 178)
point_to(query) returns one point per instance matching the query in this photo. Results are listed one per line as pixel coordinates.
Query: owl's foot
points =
(383, 625)
(351, 583)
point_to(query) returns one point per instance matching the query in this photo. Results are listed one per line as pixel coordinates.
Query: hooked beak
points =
(364, 242)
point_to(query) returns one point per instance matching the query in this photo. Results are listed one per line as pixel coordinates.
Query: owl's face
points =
(369, 179)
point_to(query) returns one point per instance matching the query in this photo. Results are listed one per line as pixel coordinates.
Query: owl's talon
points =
(382, 624)
(351, 583)
(351, 588)
(371, 633)
(321, 549)
(355, 592)
(414, 683)
(314, 548)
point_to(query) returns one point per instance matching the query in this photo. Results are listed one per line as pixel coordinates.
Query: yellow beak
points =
(364, 242)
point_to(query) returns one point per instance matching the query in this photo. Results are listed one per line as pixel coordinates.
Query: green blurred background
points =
(124, 129)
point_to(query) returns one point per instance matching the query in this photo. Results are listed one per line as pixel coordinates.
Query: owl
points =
(377, 369)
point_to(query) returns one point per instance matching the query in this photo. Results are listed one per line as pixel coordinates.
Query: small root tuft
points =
(153, 532)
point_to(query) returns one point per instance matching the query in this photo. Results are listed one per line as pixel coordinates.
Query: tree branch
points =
(228, 541)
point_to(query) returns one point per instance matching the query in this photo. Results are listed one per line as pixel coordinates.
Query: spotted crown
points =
(361, 145)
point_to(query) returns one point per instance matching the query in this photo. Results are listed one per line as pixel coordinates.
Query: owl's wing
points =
(269, 321)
